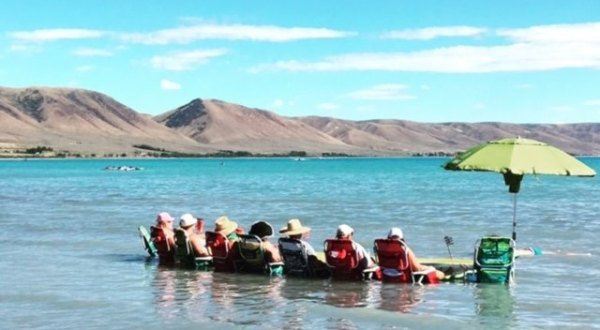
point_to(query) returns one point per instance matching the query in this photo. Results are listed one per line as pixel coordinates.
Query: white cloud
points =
(562, 109)
(538, 48)
(84, 68)
(461, 59)
(46, 35)
(592, 103)
(435, 32)
(327, 106)
(384, 92)
(188, 34)
(169, 85)
(20, 48)
(479, 106)
(278, 103)
(562, 33)
(91, 52)
(366, 109)
(183, 61)
(524, 86)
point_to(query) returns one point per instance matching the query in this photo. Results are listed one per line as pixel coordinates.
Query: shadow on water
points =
(130, 258)
(494, 305)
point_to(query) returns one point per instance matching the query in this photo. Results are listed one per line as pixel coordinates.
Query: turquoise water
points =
(71, 257)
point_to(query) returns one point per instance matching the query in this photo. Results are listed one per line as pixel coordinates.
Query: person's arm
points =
(363, 256)
(309, 249)
(199, 248)
(170, 239)
(415, 265)
(273, 252)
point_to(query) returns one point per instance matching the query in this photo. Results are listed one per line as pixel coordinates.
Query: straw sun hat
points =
(294, 227)
(225, 226)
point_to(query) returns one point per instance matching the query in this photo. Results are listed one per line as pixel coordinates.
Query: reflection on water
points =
(250, 300)
(219, 297)
(494, 305)
(247, 300)
(349, 293)
(164, 285)
(181, 293)
(400, 297)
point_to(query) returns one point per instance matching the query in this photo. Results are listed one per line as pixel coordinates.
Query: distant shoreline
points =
(45, 152)
(36, 158)
(25, 158)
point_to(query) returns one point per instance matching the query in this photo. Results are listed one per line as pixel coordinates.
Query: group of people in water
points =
(196, 240)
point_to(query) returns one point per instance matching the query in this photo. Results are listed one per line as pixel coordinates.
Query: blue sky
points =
(427, 61)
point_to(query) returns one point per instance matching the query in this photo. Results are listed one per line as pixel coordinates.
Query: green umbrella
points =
(515, 157)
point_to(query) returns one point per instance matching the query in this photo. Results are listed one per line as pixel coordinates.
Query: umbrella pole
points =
(514, 233)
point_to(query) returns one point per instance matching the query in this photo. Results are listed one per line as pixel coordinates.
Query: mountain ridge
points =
(87, 121)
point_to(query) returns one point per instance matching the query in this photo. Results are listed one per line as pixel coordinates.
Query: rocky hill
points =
(234, 127)
(581, 139)
(80, 121)
(85, 121)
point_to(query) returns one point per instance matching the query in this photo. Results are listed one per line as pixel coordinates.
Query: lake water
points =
(71, 257)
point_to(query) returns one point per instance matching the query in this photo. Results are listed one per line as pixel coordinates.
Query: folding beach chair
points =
(494, 260)
(295, 258)
(147, 239)
(252, 257)
(166, 254)
(392, 255)
(184, 253)
(343, 262)
(218, 247)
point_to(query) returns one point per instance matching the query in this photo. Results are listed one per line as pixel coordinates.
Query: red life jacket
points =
(342, 259)
(221, 250)
(166, 254)
(395, 264)
(393, 255)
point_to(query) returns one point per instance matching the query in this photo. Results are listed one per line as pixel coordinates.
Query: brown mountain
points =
(86, 121)
(234, 127)
(394, 135)
(81, 121)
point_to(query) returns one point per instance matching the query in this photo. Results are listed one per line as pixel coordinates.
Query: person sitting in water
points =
(346, 232)
(164, 238)
(188, 224)
(221, 244)
(296, 231)
(228, 228)
(415, 265)
(264, 230)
